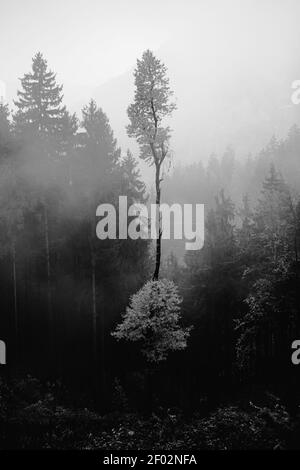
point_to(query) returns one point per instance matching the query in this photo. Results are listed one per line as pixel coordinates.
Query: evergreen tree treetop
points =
(99, 152)
(39, 103)
(100, 143)
(131, 174)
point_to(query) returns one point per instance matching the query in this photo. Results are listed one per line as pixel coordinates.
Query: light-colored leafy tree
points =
(152, 318)
(153, 315)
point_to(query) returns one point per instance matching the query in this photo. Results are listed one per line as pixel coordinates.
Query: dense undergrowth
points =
(33, 416)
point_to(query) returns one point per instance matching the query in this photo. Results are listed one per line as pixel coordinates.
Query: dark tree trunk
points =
(103, 359)
(94, 310)
(95, 329)
(49, 293)
(149, 395)
(16, 320)
(94, 313)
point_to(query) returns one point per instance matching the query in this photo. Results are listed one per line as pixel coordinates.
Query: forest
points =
(135, 344)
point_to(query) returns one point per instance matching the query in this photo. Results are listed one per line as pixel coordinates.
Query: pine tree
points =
(246, 216)
(271, 274)
(38, 124)
(134, 188)
(220, 232)
(273, 214)
(212, 285)
(133, 255)
(100, 149)
(227, 167)
(39, 104)
(98, 174)
(5, 131)
(13, 204)
(68, 148)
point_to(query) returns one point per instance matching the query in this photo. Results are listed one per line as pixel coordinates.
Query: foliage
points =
(151, 105)
(264, 331)
(241, 291)
(45, 422)
(39, 104)
(152, 319)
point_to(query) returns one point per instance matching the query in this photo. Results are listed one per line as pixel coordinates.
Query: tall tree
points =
(271, 273)
(101, 152)
(134, 187)
(98, 173)
(5, 128)
(38, 123)
(68, 144)
(39, 104)
(211, 286)
(152, 103)
(133, 255)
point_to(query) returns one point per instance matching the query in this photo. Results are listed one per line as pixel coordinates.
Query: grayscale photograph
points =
(149, 229)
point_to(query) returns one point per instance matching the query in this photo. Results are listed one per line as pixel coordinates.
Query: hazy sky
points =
(88, 41)
(85, 41)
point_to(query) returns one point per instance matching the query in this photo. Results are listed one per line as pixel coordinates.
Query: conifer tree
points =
(68, 144)
(39, 104)
(98, 173)
(135, 187)
(12, 206)
(38, 123)
(271, 274)
(99, 144)
(146, 114)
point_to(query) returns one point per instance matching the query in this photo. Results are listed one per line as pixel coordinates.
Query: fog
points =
(110, 339)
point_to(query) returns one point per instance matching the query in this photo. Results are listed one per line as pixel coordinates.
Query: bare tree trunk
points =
(149, 390)
(49, 293)
(158, 241)
(94, 311)
(14, 272)
(98, 363)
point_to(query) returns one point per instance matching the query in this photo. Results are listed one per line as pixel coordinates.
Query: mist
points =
(231, 67)
(185, 339)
